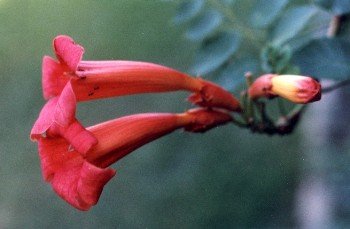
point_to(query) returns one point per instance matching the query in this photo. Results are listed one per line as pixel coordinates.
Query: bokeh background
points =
(225, 178)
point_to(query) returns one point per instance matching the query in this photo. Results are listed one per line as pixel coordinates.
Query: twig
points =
(335, 86)
(334, 26)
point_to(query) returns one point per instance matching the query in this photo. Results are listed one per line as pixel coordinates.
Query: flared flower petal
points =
(55, 74)
(54, 77)
(297, 89)
(57, 118)
(75, 180)
(81, 183)
(67, 52)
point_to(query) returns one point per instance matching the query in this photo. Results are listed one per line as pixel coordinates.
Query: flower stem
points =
(335, 86)
(281, 107)
(334, 26)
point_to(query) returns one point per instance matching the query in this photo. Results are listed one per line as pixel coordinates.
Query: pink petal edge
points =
(67, 51)
(57, 118)
(80, 183)
(75, 180)
(53, 78)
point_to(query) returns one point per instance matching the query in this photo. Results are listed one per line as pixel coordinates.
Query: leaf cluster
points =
(267, 36)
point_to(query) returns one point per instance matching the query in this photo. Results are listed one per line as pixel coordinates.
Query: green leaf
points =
(275, 58)
(188, 10)
(265, 11)
(215, 51)
(204, 25)
(315, 28)
(336, 6)
(325, 58)
(228, 2)
(291, 23)
(233, 74)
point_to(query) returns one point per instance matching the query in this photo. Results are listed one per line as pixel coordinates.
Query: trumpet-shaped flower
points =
(298, 89)
(102, 79)
(79, 179)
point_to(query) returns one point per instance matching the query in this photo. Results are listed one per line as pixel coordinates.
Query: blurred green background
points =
(224, 178)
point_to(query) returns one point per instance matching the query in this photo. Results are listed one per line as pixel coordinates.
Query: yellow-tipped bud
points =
(297, 89)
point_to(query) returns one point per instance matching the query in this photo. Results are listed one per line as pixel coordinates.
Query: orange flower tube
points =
(103, 79)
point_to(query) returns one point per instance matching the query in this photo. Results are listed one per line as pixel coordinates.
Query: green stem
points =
(239, 123)
(334, 26)
(244, 102)
(250, 102)
(266, 120)
(281, 107)
(296, 109)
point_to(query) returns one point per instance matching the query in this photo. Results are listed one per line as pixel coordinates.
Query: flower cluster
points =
(75, 159)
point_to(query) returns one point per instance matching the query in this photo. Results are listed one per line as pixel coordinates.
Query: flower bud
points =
(297, 89)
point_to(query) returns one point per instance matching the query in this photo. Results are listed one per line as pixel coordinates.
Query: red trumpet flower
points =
(79, 179)
(102, 79)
